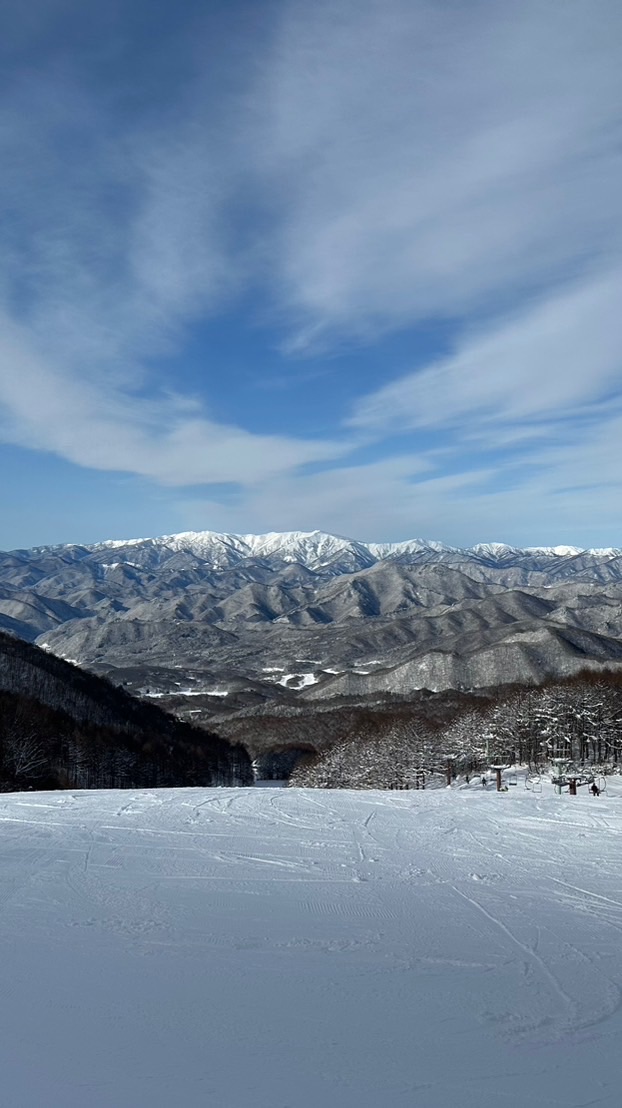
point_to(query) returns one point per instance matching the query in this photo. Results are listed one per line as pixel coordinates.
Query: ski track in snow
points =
(284, 948)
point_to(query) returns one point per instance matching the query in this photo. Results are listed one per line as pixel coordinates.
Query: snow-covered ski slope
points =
(283, 948)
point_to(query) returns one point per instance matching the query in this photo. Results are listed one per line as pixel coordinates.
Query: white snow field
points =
(285, 948)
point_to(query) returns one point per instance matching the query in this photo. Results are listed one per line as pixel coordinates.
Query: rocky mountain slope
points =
(222, 621)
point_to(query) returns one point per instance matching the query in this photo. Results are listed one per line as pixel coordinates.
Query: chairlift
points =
(533, 783)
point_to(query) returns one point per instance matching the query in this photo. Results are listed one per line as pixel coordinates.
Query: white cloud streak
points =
(568, 493)
(552, 361)
(108, 429)
(440, 157)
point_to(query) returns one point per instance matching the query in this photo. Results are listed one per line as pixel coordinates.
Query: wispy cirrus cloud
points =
(167, 438)
(566, 491)
(438, 159)
(556, 359)
(343, 172)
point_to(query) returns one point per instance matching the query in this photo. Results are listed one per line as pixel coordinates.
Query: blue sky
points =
(351, 265)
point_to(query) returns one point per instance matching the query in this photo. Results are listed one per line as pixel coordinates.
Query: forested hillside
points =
(579, 719)
(63, 727)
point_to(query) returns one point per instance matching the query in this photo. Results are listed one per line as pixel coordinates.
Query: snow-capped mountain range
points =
(316, 549)
(308, 614)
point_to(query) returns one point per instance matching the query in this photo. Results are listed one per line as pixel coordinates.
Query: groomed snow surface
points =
(284, 948)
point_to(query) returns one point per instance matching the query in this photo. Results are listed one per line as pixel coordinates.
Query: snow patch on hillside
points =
(297, 680)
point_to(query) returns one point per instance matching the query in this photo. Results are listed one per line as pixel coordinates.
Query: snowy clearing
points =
(298, 680)
(285, 948)
(184, 692)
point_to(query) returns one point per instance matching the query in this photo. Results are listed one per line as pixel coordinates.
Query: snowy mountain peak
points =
(308, 547)
(407, 546)
(560, 551)
(493, 549)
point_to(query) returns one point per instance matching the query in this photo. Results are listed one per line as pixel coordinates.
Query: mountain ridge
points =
(270, 542)
(295, 615)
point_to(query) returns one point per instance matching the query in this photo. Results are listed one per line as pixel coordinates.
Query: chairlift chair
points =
(533, 783)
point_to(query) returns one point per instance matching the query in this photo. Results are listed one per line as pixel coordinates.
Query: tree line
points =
(578, 719)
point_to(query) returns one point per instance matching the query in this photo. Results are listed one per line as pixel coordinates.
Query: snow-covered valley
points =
(284, 948)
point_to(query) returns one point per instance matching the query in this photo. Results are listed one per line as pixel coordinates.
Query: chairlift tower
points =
(498, 770)
(559, 775)
(565, 774)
